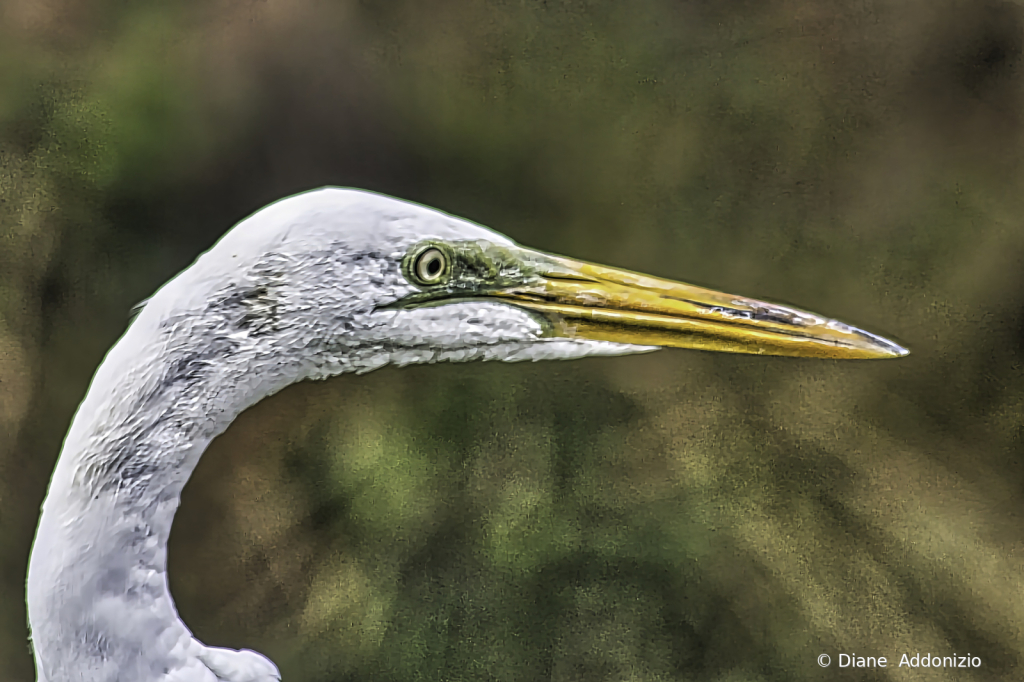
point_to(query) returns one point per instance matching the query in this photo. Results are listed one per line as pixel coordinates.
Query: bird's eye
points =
(431, 266)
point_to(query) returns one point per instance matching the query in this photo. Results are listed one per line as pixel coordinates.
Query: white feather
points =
(293, 292)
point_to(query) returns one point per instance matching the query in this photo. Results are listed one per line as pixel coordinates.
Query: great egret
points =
(321, 283)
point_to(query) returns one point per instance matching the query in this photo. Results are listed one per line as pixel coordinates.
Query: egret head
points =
(318, 284)
(361, 280)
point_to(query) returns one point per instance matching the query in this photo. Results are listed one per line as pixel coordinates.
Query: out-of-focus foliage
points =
(678, 516)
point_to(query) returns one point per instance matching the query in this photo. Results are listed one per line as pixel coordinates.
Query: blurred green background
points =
(675, 516)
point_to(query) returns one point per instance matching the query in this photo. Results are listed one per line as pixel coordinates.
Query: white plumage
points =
(296, 291)
(322, 283)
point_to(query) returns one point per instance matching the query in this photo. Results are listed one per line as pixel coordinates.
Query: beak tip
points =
(895, 351)
(883, 346)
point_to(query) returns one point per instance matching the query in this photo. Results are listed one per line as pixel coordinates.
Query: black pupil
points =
(433, 265)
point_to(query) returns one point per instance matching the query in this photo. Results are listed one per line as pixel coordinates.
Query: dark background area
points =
(674, 516)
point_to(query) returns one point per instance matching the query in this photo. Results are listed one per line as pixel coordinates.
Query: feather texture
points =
(300, 290)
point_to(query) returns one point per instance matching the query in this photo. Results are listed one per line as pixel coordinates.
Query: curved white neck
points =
(98, 595)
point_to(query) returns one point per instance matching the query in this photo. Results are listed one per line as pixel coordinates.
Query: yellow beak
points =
(588, 301)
